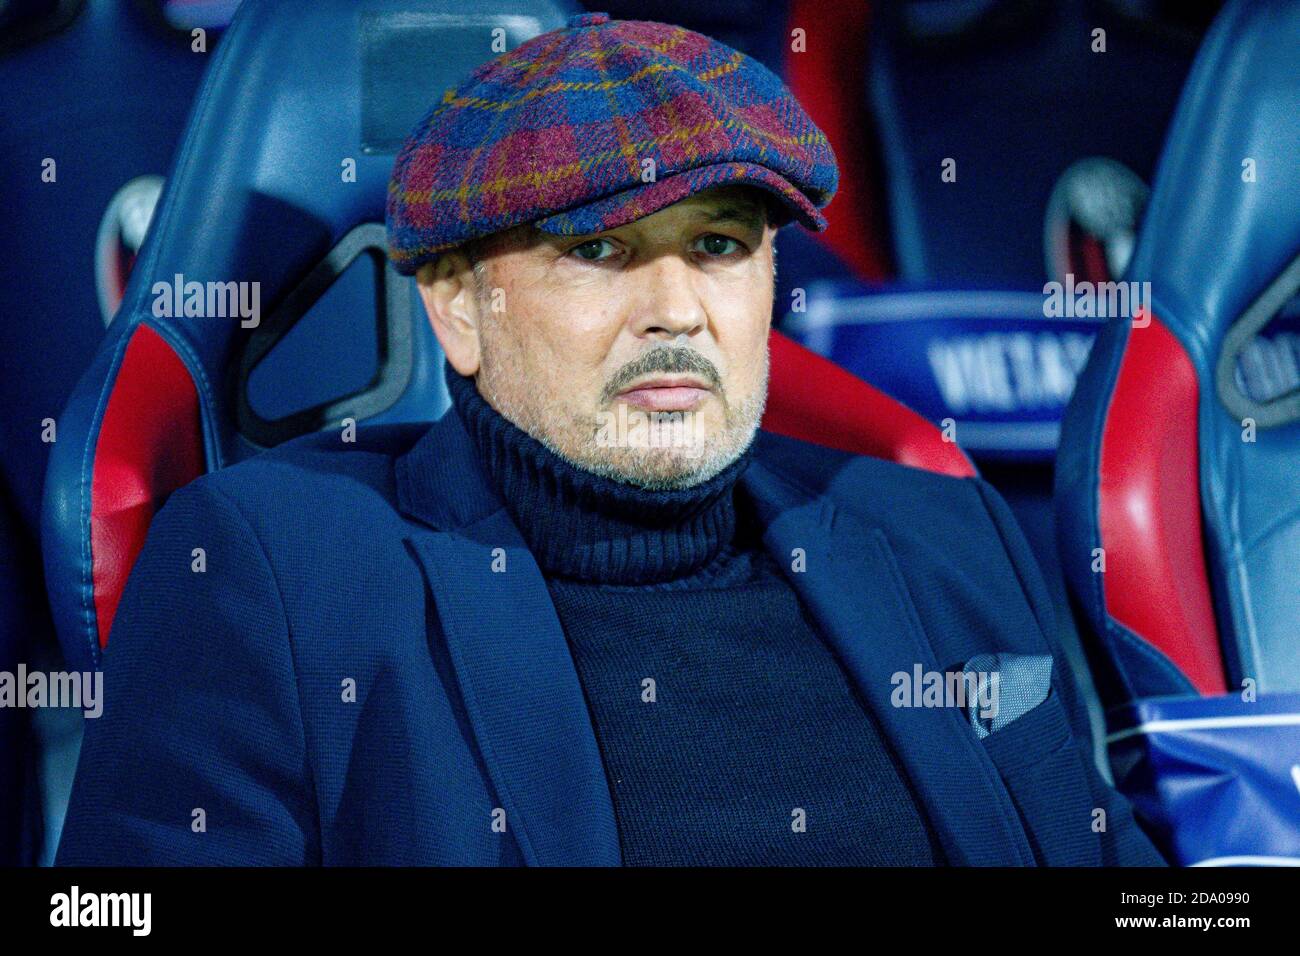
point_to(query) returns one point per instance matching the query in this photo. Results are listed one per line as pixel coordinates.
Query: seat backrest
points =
(275, 202)
(1176, 493)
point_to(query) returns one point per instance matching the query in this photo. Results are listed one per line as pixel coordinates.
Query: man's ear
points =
(450, 298)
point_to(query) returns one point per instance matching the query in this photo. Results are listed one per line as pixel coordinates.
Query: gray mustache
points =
(670, 359)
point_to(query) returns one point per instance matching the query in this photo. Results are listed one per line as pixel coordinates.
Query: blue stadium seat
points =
(73, 78)
(1177, 482)
(278, 186)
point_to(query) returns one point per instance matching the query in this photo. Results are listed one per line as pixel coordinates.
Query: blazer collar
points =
(527, 705)
(440, 481)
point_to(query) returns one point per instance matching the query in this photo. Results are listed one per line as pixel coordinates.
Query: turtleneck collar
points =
(588, 527)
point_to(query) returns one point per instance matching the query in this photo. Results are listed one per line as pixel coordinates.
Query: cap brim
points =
(626, 206)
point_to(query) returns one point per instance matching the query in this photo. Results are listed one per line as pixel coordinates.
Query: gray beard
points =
(650, 469)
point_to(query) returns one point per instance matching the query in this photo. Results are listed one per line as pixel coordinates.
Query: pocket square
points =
(1010, 685)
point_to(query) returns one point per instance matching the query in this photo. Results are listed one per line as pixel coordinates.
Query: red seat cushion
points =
(1149, 510)
(150, 443)
(813, 399)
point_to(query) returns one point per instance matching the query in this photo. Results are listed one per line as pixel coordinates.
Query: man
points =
(592, 615)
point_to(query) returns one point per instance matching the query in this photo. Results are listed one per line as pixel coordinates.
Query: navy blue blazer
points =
(341, 677)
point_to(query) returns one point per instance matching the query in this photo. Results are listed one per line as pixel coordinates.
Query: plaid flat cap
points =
(595, 125)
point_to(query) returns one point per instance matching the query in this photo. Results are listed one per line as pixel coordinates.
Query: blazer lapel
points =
(855, 591)
(516, 675)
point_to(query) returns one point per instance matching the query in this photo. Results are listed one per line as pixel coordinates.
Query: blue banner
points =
(1214, 780)
(998, 364)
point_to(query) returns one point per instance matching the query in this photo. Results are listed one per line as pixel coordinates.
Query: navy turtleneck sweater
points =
(729, 733)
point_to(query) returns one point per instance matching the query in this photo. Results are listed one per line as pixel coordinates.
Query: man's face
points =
(659, 325)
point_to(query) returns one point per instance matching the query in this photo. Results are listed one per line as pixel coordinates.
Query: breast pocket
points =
(1040, 763)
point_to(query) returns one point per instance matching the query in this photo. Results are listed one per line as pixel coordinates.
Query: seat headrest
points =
(291, 145)
(1224, 215)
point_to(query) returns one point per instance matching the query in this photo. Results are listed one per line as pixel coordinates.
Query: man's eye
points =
(594, 250)
(717, 245)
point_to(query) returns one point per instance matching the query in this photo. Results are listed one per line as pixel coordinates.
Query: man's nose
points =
(668, 304)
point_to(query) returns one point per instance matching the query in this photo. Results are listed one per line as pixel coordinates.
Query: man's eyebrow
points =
(747, 214)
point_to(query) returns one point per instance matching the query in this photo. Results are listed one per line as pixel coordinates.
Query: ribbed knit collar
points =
(588, 527)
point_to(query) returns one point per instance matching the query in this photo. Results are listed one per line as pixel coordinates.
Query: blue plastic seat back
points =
(271, 220)
(1173, 470)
